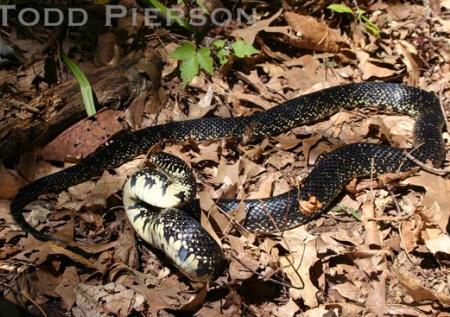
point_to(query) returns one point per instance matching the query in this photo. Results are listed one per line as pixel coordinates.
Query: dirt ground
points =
(381, 251)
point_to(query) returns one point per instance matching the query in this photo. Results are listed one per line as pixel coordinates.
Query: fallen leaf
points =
(410, 59)
(436, 197)
(417, 291)
(297, 265)
(111, 298)
(9, 183)
(107, 51)
(287, 310)
(248, 34)
(436, 241)
(335, 309)
(349, 291)
(84, 137)
(66, 288)
(371, 70)
(313, 34)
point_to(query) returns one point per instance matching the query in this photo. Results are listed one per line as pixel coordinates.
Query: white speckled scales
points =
(148, 198)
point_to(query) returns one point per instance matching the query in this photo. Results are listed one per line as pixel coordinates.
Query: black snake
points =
(322, 185)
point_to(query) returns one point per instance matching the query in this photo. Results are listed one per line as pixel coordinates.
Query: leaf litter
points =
(393, 259)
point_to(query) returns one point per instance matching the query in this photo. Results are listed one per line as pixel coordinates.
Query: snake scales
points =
(325, 181)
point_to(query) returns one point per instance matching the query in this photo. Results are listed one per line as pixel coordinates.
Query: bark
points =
(114, 86)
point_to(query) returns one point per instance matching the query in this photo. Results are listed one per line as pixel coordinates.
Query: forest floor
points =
(382, 250)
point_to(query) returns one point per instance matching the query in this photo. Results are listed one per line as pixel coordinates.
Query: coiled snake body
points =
(325, 181)
(150, 197)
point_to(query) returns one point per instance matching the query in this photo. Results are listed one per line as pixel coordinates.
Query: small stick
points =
(425, 167)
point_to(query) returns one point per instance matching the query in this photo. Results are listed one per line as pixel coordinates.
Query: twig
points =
(265, 278)
(34, 303)
(382, 180)
(372, 239)
(425, 167)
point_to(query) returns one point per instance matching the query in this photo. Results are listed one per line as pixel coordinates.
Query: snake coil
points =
(150, 197)
(323, 184)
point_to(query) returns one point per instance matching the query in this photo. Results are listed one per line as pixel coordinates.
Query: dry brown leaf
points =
(46, 282)
(212, 215)
(84, 137)
(248, 34)
(347, 236)
(436, 241)
(135, 112)
(436, 197)
(9, 183)
(208, 152)
(280, 159)
(31, 169)
(107, 51)
(287, 310)
(399, 129)
(399, 11)
(66, 287)
(320, 149)
(371, 70)
(125, 247)
(96, 193)
(410, 59)
(250, 170)
(108, 299)
(297, 265)
(410, 232)
(254, 80)
(417, 291)
(237, 96)
(311, 76)
(40, 254)
(203, 106)
(349, 291)
(196, 302)
(206, 224)
(313, 34)
(227, 174)
(243, 265)
(336, 309)
(264, 186)
(287, 141)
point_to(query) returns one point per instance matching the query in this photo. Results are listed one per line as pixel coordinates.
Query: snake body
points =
(325, 181)
(150, 197)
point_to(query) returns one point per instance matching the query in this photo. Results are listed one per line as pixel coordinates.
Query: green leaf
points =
(189, 69)
(359, 12)
(205, 60)
(242, 49)
(85, 86)
(184, 52)
(370, 26)
(219, 44)
(222, 55)
(340, 8)
(192, 60)
(341, 208)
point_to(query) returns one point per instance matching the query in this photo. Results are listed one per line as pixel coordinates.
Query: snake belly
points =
(150, 197)
(325, 181)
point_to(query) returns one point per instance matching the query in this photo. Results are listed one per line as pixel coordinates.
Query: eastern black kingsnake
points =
(325, 181)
